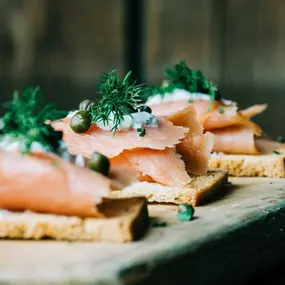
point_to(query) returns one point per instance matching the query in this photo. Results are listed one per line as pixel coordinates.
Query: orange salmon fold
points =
(44, 183)
(196, 147)
(233, 130)
(163, 166)
(105, 142)
(235, 140)
(210, 114)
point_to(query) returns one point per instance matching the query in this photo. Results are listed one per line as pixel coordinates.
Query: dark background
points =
(63, 45)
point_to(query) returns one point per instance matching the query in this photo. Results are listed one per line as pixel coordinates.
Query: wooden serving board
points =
(229, 240)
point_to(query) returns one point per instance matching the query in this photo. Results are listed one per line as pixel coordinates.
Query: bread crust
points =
(199, 191)
(270, 165)
(126, 220)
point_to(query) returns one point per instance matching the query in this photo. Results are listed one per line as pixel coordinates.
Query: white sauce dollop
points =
(80, 160)
(10, 143)
(181, 94)
(133, 121)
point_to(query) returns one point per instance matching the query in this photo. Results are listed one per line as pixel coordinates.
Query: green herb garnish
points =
(221, 110)
(142, 132)
(185, 212)
(25, 121)
(190, 100)
(181, 76)
(276, 152)
(118, 98)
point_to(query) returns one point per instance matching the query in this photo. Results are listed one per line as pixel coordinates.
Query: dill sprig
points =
(25, 120)
(181, 76)
(117, 99)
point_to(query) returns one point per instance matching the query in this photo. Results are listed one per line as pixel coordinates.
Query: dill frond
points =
(194, 81)
(25, 120)
(117, 98)
(181, 76)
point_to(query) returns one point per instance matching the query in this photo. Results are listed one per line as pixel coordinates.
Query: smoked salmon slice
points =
(233, 130)
(163, 166)
(196, 147)
(268, 146)
(213, 115)
(110, 145)
(42, 182)
(235, 140)
(253, 110)
(122, 173)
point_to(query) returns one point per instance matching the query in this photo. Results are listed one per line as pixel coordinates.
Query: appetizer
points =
(239, 144)
(48, 193)
(169, 155)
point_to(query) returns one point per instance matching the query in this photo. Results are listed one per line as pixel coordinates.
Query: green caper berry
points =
(145, 109)
(185, 212)
(86, 105)
(99, 163)
(80, 122)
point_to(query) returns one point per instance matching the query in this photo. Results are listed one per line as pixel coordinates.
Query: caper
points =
(86, 105)
(145, 109)
(185, 212)
(80, 122)
(99, 163)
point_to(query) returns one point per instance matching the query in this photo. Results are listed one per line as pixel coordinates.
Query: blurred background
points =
(63, 46)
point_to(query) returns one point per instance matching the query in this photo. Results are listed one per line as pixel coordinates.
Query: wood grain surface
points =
(229, 241)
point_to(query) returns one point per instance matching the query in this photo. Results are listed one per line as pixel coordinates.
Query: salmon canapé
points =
(37, 173)
(154, 146)
(161, 148)
(233, 129)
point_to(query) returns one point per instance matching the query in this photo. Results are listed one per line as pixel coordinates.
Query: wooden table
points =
(230, 240)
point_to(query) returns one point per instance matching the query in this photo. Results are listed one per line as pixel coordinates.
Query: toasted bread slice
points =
(198, 192)
(126, 220)
(267, 165)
